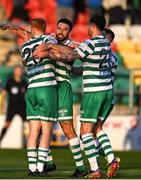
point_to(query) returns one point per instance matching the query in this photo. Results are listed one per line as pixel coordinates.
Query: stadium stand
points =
(127, 45)
(120, 31)
(135, 32)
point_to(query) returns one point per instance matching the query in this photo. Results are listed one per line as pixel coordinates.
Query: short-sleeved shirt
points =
(95, 54)
(16, 93)
(40, 72)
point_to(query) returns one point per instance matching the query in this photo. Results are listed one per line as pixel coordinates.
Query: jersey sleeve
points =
(114, 64)
(50, 39)
(86, 48)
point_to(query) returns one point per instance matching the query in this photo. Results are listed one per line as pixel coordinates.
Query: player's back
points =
(96, 68)
(40, 72)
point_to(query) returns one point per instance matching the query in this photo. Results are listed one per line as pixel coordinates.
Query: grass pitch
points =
(13, 164)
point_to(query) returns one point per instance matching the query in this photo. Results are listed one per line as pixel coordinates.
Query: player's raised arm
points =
(23, 33)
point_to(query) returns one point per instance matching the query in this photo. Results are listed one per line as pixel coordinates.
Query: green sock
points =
(49, 159)
(32, 158)
(105, 146)
(90, 150)
(77, 154)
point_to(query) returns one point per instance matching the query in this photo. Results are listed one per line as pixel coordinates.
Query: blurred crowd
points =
(25, 10)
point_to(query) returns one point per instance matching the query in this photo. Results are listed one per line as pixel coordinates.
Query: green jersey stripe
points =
(102, 84)
(49, 75)
(42, 79)
(96, 81)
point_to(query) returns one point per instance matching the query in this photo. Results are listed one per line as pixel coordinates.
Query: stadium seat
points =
(121, 32)
(137, 77)
(132, 60)
(138, 46)
(127, 45)
(135, 32)
(82, 19)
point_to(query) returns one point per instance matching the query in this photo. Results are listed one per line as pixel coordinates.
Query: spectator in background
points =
(134, 9)
(19, 11)
(8, 6)
(2, 14)
(65, 9)
(15, 91)
(79, 7)
(116, 10)
(95, 7)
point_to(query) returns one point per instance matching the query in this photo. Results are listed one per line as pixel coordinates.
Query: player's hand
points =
(40, 54)
(24, 34)
(73, 45)
(10, 27)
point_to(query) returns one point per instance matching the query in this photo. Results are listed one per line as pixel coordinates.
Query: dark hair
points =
(109, 32)
(99, 20)
(66, 21)
(39, 23)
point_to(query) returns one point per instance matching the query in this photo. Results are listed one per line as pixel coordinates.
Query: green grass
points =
(13, 164)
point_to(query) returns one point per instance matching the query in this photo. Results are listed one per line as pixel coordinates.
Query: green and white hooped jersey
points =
(40, 73)
(63, 69)
(96, 64)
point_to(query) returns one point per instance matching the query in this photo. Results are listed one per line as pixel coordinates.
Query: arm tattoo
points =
(65, 57)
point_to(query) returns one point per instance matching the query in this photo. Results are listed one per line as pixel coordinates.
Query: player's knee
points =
(34, 133)
(98, 128)
(86, 128)
(68, 129)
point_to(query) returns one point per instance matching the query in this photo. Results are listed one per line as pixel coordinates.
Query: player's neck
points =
(96, 33)
(38, 33)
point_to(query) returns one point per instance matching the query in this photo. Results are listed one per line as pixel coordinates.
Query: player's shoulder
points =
(27, 43)
(88, 43)
(71, 43)
(100, 39)
(49, 37)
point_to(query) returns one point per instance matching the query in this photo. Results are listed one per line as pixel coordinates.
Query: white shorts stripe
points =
(41, 118)
(65, 118)
(88, 120)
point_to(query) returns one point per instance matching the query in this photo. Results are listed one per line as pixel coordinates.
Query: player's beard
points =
(61, 38)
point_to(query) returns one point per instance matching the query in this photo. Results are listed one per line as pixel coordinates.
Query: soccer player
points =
(65, 99)
(41, 97)
(97, 91)
(108, 34)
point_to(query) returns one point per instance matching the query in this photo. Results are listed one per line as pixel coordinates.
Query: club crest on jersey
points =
(62, 111)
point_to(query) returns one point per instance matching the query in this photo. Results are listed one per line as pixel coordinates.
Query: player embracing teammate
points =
(97, 98)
